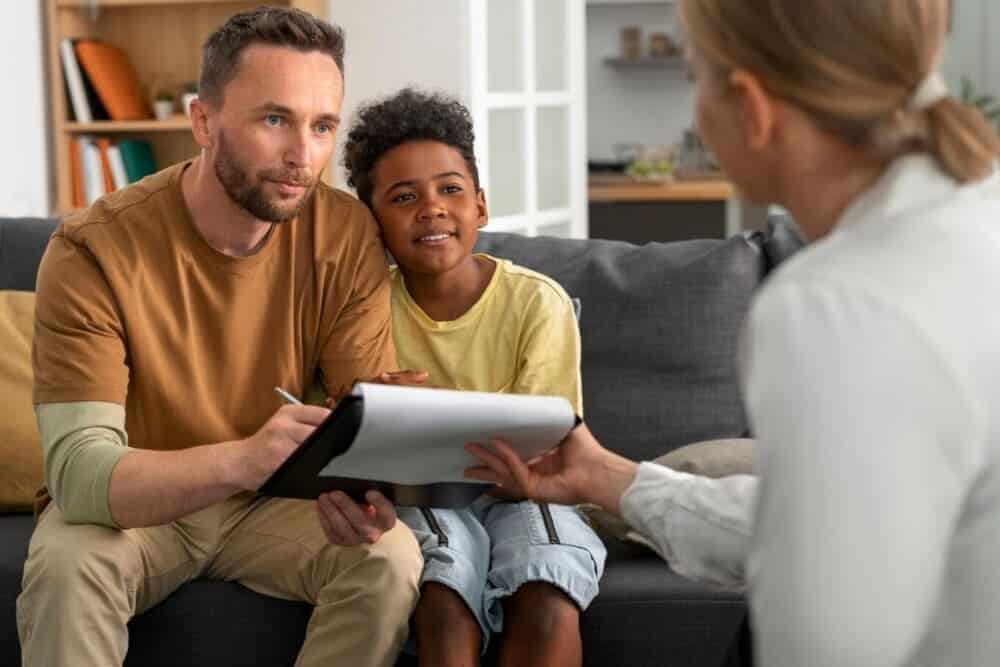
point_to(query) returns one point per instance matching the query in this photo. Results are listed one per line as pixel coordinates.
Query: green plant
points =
(986, 103)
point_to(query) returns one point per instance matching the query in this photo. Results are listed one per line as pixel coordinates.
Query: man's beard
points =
(248, 193)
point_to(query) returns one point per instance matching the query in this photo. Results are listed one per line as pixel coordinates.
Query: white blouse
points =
(872, 380)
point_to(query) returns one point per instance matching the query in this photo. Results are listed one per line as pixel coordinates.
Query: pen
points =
(288, 398)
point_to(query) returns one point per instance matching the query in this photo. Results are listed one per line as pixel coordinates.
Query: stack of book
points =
(100, 165)
(101, 82)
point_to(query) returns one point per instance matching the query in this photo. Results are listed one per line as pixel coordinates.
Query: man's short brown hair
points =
(272, 26)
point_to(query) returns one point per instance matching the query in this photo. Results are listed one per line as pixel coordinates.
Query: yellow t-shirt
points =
(521, 337)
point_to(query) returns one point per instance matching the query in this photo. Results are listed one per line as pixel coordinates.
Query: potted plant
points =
(163, 104)
(986, 103)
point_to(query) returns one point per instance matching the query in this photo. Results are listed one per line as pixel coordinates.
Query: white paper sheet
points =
(412, 435)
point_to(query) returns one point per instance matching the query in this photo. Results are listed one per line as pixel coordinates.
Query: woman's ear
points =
(759, 107)
(481, 208)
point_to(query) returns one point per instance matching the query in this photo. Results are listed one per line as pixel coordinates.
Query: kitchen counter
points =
(620, 188)
(702, 205)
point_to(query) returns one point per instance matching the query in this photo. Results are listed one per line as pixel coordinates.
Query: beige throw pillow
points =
(20, 450)
(711, 458)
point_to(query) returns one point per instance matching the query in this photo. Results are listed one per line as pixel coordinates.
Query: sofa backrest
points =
(22, 241)
(660, 325)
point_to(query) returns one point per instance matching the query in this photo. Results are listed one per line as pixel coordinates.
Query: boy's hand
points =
(405, 378)
(350, 524)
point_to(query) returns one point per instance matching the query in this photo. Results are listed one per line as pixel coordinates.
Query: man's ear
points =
(200, 125)
(759, 107)
(481, 206)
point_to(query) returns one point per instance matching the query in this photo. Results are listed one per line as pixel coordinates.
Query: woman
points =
(871, 374)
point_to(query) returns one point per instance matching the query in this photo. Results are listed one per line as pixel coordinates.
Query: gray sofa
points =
(659, 325)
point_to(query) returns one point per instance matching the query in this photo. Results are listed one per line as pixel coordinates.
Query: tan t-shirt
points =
(135, 308)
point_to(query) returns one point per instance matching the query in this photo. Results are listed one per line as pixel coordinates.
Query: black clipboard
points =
(298, 476)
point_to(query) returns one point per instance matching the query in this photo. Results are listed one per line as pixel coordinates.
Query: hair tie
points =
(932, 90)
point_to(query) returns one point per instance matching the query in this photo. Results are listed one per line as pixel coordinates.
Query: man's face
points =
(428, 207)
(275, 131)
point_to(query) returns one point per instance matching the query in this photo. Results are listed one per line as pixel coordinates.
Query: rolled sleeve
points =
(82, 443)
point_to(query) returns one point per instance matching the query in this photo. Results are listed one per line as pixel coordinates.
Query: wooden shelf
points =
(175, 123)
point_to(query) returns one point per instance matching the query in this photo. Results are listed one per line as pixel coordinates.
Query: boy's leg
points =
(83, 583)
(363, 596)
(546, 565)
(448, 623)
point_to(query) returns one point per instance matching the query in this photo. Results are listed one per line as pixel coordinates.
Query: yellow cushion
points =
(20, 450)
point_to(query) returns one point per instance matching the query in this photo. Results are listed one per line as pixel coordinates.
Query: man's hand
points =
(261, 454)
(579, 470)
(349, 524)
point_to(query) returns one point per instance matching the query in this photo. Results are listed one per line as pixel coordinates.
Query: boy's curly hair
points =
(409, 115)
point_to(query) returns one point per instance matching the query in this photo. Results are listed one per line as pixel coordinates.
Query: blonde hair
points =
(854, 66)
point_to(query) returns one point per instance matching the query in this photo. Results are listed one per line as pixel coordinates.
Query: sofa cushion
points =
(20, 450)
(22, 241)
(660, 325)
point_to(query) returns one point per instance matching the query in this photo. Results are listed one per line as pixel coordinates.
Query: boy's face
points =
(427, 205)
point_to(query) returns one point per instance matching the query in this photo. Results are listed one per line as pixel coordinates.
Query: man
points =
(166, 315)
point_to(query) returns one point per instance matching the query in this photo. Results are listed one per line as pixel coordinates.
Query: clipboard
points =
(381, 437)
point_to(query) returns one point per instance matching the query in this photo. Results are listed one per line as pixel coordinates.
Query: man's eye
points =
(324, 128)
(272, 120)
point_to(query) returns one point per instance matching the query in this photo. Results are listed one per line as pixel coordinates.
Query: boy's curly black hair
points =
(409, 115)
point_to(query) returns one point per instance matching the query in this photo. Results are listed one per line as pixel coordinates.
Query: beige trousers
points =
(82, 583)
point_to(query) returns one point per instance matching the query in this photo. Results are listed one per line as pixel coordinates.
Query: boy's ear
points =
(481, 205)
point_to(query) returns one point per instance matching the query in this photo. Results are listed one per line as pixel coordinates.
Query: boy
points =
(473, 322)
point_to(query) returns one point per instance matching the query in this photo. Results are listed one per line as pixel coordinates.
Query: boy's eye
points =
(451, 188)
(402, 197)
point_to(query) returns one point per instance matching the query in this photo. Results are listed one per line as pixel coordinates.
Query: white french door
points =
(528, 99)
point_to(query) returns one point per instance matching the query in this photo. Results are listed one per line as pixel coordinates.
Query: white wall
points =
(974, 48)
(394, 43)
(642, 106)
(24, 177)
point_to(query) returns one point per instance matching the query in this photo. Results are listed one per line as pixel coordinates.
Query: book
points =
(74, 82)
(76, 169)
(113, 77)
(408, 443)
(118, 173)
(103, 144)
(93, 175)
(137, 155)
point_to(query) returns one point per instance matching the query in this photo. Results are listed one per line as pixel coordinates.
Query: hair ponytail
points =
(962, 139)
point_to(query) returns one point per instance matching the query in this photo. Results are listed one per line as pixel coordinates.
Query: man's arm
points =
(95, 478)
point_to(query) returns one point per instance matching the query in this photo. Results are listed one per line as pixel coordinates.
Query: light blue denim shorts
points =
(490, 549)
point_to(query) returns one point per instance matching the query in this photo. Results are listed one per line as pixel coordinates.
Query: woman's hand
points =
(578, 470)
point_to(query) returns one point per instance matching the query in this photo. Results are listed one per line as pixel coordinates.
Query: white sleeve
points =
(700, 526)
(867, 444)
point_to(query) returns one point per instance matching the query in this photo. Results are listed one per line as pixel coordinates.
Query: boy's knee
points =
(541, 609)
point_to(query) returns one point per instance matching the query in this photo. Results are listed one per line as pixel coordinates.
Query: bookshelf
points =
(163, 41)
